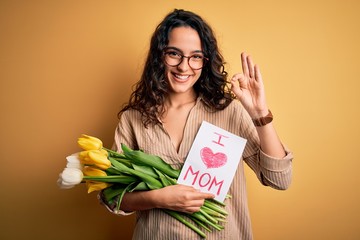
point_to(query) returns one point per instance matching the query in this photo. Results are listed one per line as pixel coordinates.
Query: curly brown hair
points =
(152, 88)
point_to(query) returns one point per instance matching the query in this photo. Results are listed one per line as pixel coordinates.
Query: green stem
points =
(218, 202)
(112, 152)
(111, 179)
(215, 207)
(212, 212)
(210, 218)
(220, 219)
(123, 193)
(183, 220)
(198, 222)
(202, 218)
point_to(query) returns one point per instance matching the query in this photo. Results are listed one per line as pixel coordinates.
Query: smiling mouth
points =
(181, 77)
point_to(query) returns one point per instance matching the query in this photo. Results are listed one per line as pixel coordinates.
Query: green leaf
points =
(163, 178)
(145, 169)
(113, 191)
(152, 183)
(140, 187)
(124, 161)
(141, 158)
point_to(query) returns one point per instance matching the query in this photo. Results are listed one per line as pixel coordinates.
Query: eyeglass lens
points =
(173, 58)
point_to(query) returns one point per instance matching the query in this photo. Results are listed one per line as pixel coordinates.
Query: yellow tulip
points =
(98, 159)
(89, 143)
(85, 154)
(96, 186)
(91, 171)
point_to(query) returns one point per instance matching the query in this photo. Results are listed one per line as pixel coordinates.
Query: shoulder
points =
(130, 115)
(130, 118)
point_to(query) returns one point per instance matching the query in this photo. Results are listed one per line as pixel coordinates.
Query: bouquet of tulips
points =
(132, 170)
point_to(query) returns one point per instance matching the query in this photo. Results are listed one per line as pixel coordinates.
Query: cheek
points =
(167, 71)
(167, 75)
(198, 74)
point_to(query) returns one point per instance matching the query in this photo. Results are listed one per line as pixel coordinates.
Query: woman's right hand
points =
(180, 198)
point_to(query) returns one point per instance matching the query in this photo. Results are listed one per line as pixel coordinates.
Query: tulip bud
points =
(91, 171)
(70, 177)
(89, 143)
(84, 154)
(96, 186)
(73, 161)
(99, 160)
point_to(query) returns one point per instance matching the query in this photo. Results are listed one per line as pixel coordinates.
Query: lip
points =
(181, 77)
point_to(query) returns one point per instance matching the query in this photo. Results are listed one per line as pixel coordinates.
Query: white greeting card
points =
(212, 161)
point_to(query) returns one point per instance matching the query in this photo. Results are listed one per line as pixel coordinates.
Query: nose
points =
(184, 65)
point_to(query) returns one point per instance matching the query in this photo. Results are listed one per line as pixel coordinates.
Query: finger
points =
(186, 186)
(244, 64)
(204, 195)
(207, 196)
(237, 76)
(235, 84)
(183, 187)
(192, 210)
(196, 203)
(235, 80)
(241, 80)
(250, 66)
(258, 76)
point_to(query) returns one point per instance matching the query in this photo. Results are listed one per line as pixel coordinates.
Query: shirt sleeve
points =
(123, 134)
(273, 172)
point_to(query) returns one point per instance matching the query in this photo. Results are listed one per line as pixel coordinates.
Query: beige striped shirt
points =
(276, 173)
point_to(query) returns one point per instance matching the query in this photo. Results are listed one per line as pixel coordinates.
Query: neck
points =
(180, 99)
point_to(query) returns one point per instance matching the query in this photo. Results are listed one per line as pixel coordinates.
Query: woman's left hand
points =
(249, 88)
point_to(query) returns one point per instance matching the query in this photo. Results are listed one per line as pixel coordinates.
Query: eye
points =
(197, 57)
(173, 54)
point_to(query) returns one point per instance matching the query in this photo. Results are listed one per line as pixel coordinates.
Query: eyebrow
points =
(179, 50)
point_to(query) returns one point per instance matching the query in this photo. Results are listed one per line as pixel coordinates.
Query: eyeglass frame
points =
(178, 51)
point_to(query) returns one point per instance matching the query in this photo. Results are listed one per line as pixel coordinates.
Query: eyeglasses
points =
(174, 58)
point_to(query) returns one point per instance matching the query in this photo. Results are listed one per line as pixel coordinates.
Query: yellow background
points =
(66, 67)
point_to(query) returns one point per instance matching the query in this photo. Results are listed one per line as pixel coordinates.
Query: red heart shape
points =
(212, 160)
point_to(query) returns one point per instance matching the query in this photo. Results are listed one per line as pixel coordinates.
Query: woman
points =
(184, 83)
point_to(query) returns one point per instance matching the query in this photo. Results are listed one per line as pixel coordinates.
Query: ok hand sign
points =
(249, 88)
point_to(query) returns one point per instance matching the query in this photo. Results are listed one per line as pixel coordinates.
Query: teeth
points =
(182, 76)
